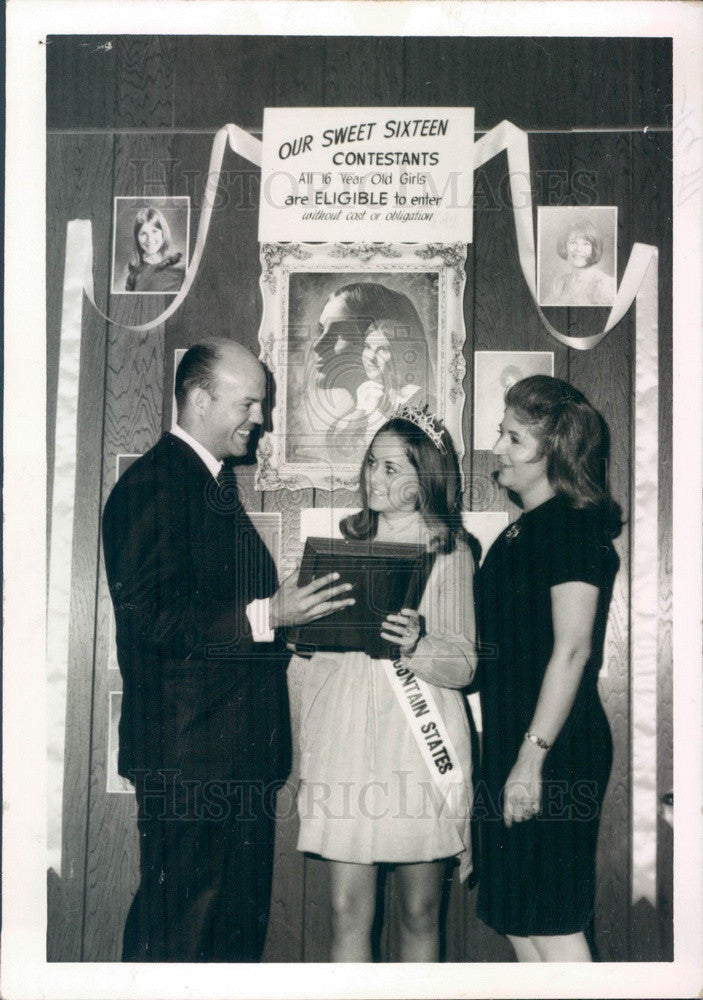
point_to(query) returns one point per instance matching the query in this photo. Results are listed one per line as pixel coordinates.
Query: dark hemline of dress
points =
(538, 877)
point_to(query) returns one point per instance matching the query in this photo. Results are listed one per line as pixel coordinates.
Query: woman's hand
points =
(403, 630)
(522, 794)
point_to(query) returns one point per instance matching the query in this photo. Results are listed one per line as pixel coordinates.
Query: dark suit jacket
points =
(183, 561)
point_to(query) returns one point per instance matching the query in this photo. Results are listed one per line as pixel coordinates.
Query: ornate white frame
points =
(278, 261)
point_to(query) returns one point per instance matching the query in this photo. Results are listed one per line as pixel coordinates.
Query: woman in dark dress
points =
(544, 591)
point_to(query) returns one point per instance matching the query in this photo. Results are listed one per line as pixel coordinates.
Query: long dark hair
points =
(439, 500)
(412, 347)
(572, 436)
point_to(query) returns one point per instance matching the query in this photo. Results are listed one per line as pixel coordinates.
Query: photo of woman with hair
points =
(147, 256)
(370, 329)
(372, 355)
(544, 591)
(366, 794)
(153, 268)
(580, 242)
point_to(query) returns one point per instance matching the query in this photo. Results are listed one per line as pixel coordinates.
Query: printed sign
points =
(376, 174)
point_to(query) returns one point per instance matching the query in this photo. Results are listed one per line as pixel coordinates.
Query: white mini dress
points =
(366, 794)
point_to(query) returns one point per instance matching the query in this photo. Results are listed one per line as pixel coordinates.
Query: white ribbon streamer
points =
(61, 552)
(239, 142)
(644, 594)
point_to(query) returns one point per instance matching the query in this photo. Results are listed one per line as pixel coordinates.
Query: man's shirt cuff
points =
(258, 615)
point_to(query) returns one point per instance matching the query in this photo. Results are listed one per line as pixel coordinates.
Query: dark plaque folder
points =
(386, 577)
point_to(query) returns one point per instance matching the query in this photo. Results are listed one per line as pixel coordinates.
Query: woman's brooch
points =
(513, 531)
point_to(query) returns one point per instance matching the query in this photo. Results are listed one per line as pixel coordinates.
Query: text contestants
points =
(381, 782)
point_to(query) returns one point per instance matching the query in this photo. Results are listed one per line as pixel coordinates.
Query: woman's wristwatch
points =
(542, 744)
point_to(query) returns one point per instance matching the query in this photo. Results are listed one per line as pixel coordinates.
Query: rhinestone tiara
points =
(426, 421)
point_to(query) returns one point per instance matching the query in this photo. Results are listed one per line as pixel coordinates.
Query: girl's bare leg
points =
(353, 901)
(420, 898)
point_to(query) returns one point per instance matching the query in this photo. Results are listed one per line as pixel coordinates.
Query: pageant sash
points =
(428, 729)
(435, 745)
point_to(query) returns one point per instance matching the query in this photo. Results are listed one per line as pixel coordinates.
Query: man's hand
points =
(294, 605)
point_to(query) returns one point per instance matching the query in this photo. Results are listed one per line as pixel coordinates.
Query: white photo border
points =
(482, 443)
(157, 201)
(576, 212)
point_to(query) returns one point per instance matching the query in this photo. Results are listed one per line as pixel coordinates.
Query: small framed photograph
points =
(485, 525)
(351, 333)
(323, 522)
(494, 373)
(150, 245)
(577, 255)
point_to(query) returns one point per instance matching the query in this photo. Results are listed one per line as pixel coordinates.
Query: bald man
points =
(204, 725)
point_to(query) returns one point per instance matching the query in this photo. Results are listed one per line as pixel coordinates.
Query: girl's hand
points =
(403, 630)
(522, 795)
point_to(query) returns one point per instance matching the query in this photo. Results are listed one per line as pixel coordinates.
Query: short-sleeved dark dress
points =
(538, 877)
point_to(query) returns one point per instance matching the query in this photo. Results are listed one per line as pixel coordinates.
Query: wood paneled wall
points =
(137, 118)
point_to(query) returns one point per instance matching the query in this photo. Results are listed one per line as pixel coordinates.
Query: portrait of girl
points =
(577, 256)
(366, 346)
(150, 245)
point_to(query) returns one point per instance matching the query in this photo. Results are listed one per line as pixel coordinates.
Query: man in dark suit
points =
(203, 731)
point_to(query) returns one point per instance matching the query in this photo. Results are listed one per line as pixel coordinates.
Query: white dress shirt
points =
(257, 611)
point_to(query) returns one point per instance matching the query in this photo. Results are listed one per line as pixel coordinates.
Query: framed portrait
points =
(150, 245)
(576, 255)
(352, 333)
(494, 373)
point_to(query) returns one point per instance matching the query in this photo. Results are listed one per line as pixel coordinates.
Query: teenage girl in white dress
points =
(367, 794)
